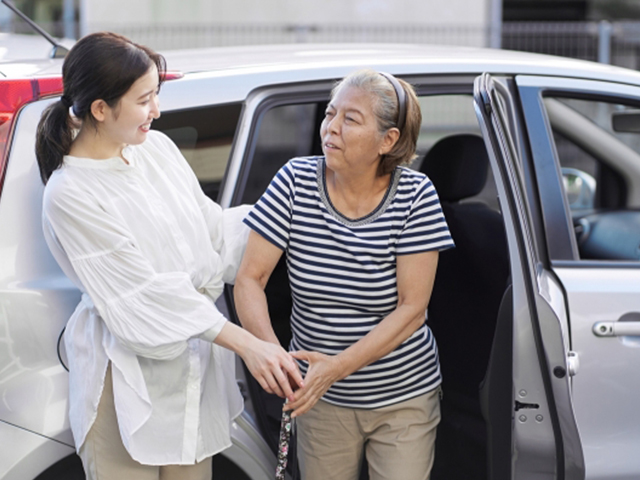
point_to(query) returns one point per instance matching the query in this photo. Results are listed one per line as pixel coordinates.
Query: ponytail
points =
(101, 65)
(53, 138)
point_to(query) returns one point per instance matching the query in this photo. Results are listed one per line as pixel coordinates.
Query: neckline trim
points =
(354, 222)
(114, 163)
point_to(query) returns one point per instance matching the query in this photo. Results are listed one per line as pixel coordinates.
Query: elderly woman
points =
(362, 235)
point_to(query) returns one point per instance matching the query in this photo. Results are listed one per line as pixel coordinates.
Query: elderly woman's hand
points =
(324, 371)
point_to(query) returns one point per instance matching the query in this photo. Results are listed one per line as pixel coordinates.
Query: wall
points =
(431, 12)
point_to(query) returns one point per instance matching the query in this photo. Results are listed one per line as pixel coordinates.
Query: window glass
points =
(204, 136)
(600, 165)
(445, 115)
(288, 131)
(284, 132)
(572, 156)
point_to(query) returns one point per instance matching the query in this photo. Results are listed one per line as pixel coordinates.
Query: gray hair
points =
(385, 109)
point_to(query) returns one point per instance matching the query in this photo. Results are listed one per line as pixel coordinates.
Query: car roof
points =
(26, 53)
(291, 63)
(397, 58)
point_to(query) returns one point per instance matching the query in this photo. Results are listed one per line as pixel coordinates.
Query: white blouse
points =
(150, 253)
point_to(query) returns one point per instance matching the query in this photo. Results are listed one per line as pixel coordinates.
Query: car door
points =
(541, 436)
(571, 125)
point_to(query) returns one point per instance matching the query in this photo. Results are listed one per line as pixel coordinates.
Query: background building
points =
(601, 30)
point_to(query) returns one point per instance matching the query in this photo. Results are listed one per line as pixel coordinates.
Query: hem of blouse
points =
(94, 414)
(357, 222)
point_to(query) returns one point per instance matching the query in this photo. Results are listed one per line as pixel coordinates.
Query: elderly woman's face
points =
(349, 131)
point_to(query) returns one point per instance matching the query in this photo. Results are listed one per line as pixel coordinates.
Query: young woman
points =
(362, 235)
(152, 394)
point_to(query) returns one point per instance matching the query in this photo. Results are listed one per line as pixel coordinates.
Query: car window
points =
(204, 136)
(600, 166)
(287, 131)
(284, 132)
(446, 115)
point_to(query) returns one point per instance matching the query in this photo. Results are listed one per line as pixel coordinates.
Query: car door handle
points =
(616, 329)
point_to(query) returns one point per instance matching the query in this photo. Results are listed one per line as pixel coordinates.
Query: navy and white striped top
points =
(343, 274)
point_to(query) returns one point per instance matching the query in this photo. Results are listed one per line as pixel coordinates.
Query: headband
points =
(402, 99)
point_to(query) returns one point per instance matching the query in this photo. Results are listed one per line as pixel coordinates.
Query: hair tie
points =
(66, 101)
(402, 99)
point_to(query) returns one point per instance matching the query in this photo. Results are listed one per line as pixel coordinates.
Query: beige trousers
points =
(105, 458)
(398, 440)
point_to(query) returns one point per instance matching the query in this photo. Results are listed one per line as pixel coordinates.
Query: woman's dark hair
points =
(100, 66)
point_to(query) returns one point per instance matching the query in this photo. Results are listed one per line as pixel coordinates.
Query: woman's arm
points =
(415, 277)
(268, 363)
(260, 258)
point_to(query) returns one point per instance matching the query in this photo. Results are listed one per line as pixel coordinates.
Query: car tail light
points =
(173, 75)
(16, 93)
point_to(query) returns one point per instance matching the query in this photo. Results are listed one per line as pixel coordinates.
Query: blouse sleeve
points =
(227, 232)
(425, 228)
(271, 215)
(151, 313)
(211, 211)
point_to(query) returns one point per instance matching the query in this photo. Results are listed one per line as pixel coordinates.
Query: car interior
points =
(600, 161)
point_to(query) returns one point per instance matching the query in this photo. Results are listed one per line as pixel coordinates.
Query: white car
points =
(536, 312)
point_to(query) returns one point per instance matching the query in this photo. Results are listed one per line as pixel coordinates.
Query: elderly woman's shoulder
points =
(311, 161)
(409, 175)
(303, 164)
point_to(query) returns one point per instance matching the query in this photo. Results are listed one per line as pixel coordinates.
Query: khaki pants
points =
(398, 440)
(105, 458)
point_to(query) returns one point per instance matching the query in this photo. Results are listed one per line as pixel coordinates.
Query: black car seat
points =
(463, 309)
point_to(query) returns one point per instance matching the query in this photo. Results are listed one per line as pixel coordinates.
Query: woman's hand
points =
(324, 371)
(273, 368)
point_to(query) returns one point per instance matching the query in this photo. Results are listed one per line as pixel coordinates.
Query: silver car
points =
(536, 312)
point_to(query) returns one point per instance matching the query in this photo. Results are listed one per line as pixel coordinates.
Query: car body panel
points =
(30, 454)
(36, 299)
(606, 385)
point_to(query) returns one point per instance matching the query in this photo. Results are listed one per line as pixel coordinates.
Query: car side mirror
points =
(627, 121)
(580, 188)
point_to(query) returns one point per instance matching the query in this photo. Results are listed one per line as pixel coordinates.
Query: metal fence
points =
(617, 43)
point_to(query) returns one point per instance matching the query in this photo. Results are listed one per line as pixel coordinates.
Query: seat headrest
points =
(457, 166)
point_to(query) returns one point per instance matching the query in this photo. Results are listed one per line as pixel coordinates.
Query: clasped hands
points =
(278, 373)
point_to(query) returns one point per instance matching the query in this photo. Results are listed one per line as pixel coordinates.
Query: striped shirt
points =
(343, 274)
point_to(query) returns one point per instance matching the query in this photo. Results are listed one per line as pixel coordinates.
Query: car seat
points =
(470, 283)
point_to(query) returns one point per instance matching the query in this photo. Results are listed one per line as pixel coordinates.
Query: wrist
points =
(249, 343)
(341, 367)
(236, 339)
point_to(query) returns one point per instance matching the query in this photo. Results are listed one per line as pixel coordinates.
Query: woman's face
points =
(349, 132)
(129, 121)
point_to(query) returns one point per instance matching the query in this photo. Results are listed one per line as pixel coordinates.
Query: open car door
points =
(593, 251)
(532, 432)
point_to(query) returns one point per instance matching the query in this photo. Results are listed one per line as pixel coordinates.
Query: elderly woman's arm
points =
(260, 258)
(415, 277)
